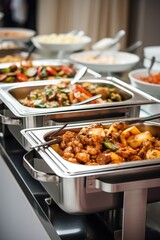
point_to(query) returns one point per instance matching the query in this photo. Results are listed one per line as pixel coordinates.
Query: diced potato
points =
(127, 133)
(130, 130)
(153, 153)
(136, 140)
(112, 129)
(115, 158)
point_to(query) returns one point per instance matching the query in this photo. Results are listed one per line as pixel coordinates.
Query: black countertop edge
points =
(12, 153)
(58, 224)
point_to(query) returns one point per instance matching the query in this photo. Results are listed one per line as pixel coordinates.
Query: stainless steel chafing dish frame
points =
(17, 117)
(37, 136)
(120, 186)
(135, 97)
(7, 93)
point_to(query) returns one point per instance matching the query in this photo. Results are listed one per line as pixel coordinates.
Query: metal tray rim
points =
(12, 103)
(65, 168)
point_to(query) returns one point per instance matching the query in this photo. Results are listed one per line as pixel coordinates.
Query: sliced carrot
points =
(83, 90)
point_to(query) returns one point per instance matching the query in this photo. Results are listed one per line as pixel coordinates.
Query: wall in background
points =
(143, 22)
(98, 18)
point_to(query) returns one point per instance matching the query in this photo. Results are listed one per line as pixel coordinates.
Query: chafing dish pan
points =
(14, 113)
(79, 189)
(39, 63)
(12, 94)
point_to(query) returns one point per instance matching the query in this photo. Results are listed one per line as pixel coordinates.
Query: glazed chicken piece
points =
(109, 157)
(82, 157)
(104, 157)
(126, 152)
(67, 137)
(95, 133)
(103, 91)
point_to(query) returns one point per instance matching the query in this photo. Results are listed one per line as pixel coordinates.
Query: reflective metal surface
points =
(58, 224)
(64, 168)
(11, 94)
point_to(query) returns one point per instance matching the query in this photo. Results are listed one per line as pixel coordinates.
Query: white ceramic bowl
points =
(152, 89)
(49, 43)
(107, 62)
(16, 34)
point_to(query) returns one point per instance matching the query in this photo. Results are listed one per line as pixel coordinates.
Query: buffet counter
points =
(48, 221)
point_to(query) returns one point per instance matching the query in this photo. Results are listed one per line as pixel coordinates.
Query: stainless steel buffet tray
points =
(12, 93)
(80, 189)
(53, 62)
(37, 136)
(17, 117)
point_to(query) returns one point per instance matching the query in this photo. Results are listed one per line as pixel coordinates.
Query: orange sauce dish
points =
(153, 78)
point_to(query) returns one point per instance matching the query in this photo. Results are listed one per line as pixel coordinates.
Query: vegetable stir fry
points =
(98, 145)
(28, 72)
(62, 94)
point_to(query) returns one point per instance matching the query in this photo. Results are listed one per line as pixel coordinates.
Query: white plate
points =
(20, 34)
(43, 42)
(108, 62)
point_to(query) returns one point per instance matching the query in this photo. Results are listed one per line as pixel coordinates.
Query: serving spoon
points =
(79, 75)
(57, 139)
(29, 52)
(133, 47)
(76, 32)
(90, 99)
(49, 138)
(143, 119)
(52, 134)
(113, 42)
(151, 65)
(115, 39)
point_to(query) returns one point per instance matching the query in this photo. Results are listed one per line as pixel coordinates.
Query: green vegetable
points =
(10, 79)
(38, 104)
(110, 145)
(44, 73)
(5, 70)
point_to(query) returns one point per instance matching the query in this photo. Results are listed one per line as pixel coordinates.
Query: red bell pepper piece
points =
(21, 77)
(51, 71)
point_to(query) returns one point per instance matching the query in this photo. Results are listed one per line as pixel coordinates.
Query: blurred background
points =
(98, 18)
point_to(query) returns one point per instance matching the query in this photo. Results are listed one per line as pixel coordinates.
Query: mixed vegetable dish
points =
(29, 72)
(64, 94)
(152, 78)
(99, 145)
